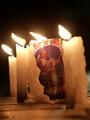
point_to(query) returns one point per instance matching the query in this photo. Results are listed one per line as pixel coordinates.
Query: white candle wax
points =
(36, 89)
(21, 73)
(12, 76)
(75, 74)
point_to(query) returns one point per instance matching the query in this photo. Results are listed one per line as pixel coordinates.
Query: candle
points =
(75, 74)
(49, 60)
(13, 76)
(53, 81)
(21, 54)
(12, 70)
(36, 89)
(21, 73)
(75, 64)
(27, 73)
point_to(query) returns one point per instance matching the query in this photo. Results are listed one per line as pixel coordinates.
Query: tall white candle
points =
(12, 70)
(75, 73)
(12, 76)
(21, 68)
(21, 73)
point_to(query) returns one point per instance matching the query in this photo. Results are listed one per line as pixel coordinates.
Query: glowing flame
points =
(19, 40)
(38, 36)
(65, 34)
(7, 49)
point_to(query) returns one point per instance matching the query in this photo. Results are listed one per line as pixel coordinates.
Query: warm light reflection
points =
(33, 41)
(42, 45)
(64, 34)
(7, 49)
(37, 43)
(38, 36)
(19, 40)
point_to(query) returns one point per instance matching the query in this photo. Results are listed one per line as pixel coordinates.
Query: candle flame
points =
(65, 34)
(38, 36)
(7, 49)
(18, 39)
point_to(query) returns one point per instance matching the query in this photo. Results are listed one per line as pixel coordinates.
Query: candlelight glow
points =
(7, 49)
(65, 34)
(33, 41)
(42, 45)
(38, 36)
(19, 40)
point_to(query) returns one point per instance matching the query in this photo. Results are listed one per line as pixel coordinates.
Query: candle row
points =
(25, 73)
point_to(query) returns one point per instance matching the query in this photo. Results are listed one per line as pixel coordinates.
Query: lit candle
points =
(75, 69)
(21, 54)
(12, 70)
(75, 74)
(21, 72)
(27, 73)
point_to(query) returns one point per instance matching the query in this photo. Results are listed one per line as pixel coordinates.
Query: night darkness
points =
(42, 17)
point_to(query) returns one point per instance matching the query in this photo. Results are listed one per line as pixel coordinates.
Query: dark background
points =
(42, 17)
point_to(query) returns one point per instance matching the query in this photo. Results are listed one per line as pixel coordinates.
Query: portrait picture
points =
(50, 61)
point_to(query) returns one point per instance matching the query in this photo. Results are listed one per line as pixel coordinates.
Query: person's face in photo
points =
(44, 54)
